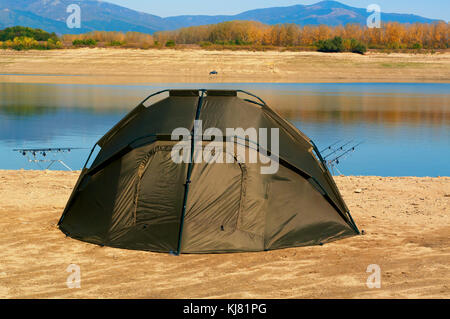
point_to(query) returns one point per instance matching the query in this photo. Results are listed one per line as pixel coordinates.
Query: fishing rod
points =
(55, 149)
(339, 149)
(336, 159)
(34, 155)
(330, 147)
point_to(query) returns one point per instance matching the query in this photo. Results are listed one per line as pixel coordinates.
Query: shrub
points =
(331, 45)
(26, 43)
(416, 46)
(23, 43)
(337, 44)
(114, 43)
(111, 39)
(170, 43)
(357, 47)
(241, 42)
(53, 44)
(205, 44)
(84, 42)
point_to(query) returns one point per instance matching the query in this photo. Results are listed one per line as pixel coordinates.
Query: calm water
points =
(405, 127)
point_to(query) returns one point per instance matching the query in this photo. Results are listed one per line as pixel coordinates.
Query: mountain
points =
(51, 15)
(325, 12)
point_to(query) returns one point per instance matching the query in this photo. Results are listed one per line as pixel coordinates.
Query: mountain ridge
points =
(51, 15)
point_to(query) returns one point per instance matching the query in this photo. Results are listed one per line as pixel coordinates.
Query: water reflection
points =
(406, 127)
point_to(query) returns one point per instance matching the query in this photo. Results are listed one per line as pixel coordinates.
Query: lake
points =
(405, 128)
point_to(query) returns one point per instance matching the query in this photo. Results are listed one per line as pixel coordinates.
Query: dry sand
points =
(406, 220)
(118, 66)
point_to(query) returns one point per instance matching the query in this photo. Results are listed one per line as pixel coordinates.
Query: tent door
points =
(214, 205)
(159, 195)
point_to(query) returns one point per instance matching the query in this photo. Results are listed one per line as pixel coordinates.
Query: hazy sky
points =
(439, 9)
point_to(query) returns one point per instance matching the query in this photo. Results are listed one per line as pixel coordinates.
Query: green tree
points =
(331, 45)
(357, 46)
(18, 32)
(170, 43)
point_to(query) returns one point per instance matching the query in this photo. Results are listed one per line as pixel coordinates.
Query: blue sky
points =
(438, 9)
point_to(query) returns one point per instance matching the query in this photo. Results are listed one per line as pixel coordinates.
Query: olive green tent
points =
(134, 195)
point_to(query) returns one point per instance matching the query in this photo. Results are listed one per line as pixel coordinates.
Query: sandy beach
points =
(407, 234)
(120, 66)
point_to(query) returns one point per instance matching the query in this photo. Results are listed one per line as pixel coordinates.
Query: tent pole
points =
(189, 172)
(353, 223)
(255, 96)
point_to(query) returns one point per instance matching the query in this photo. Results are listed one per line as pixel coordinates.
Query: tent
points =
(136, 195)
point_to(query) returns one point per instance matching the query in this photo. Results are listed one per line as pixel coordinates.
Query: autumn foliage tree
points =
(391, 35)
(252, 34)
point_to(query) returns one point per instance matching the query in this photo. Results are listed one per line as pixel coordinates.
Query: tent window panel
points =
(158, 189)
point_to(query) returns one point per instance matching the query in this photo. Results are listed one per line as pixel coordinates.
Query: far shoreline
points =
(136, 66)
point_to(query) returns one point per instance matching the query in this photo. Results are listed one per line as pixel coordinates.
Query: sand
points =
(128, 66)
(406, 221)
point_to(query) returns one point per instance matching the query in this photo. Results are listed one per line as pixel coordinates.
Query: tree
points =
(331, 45)
(18, 31)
